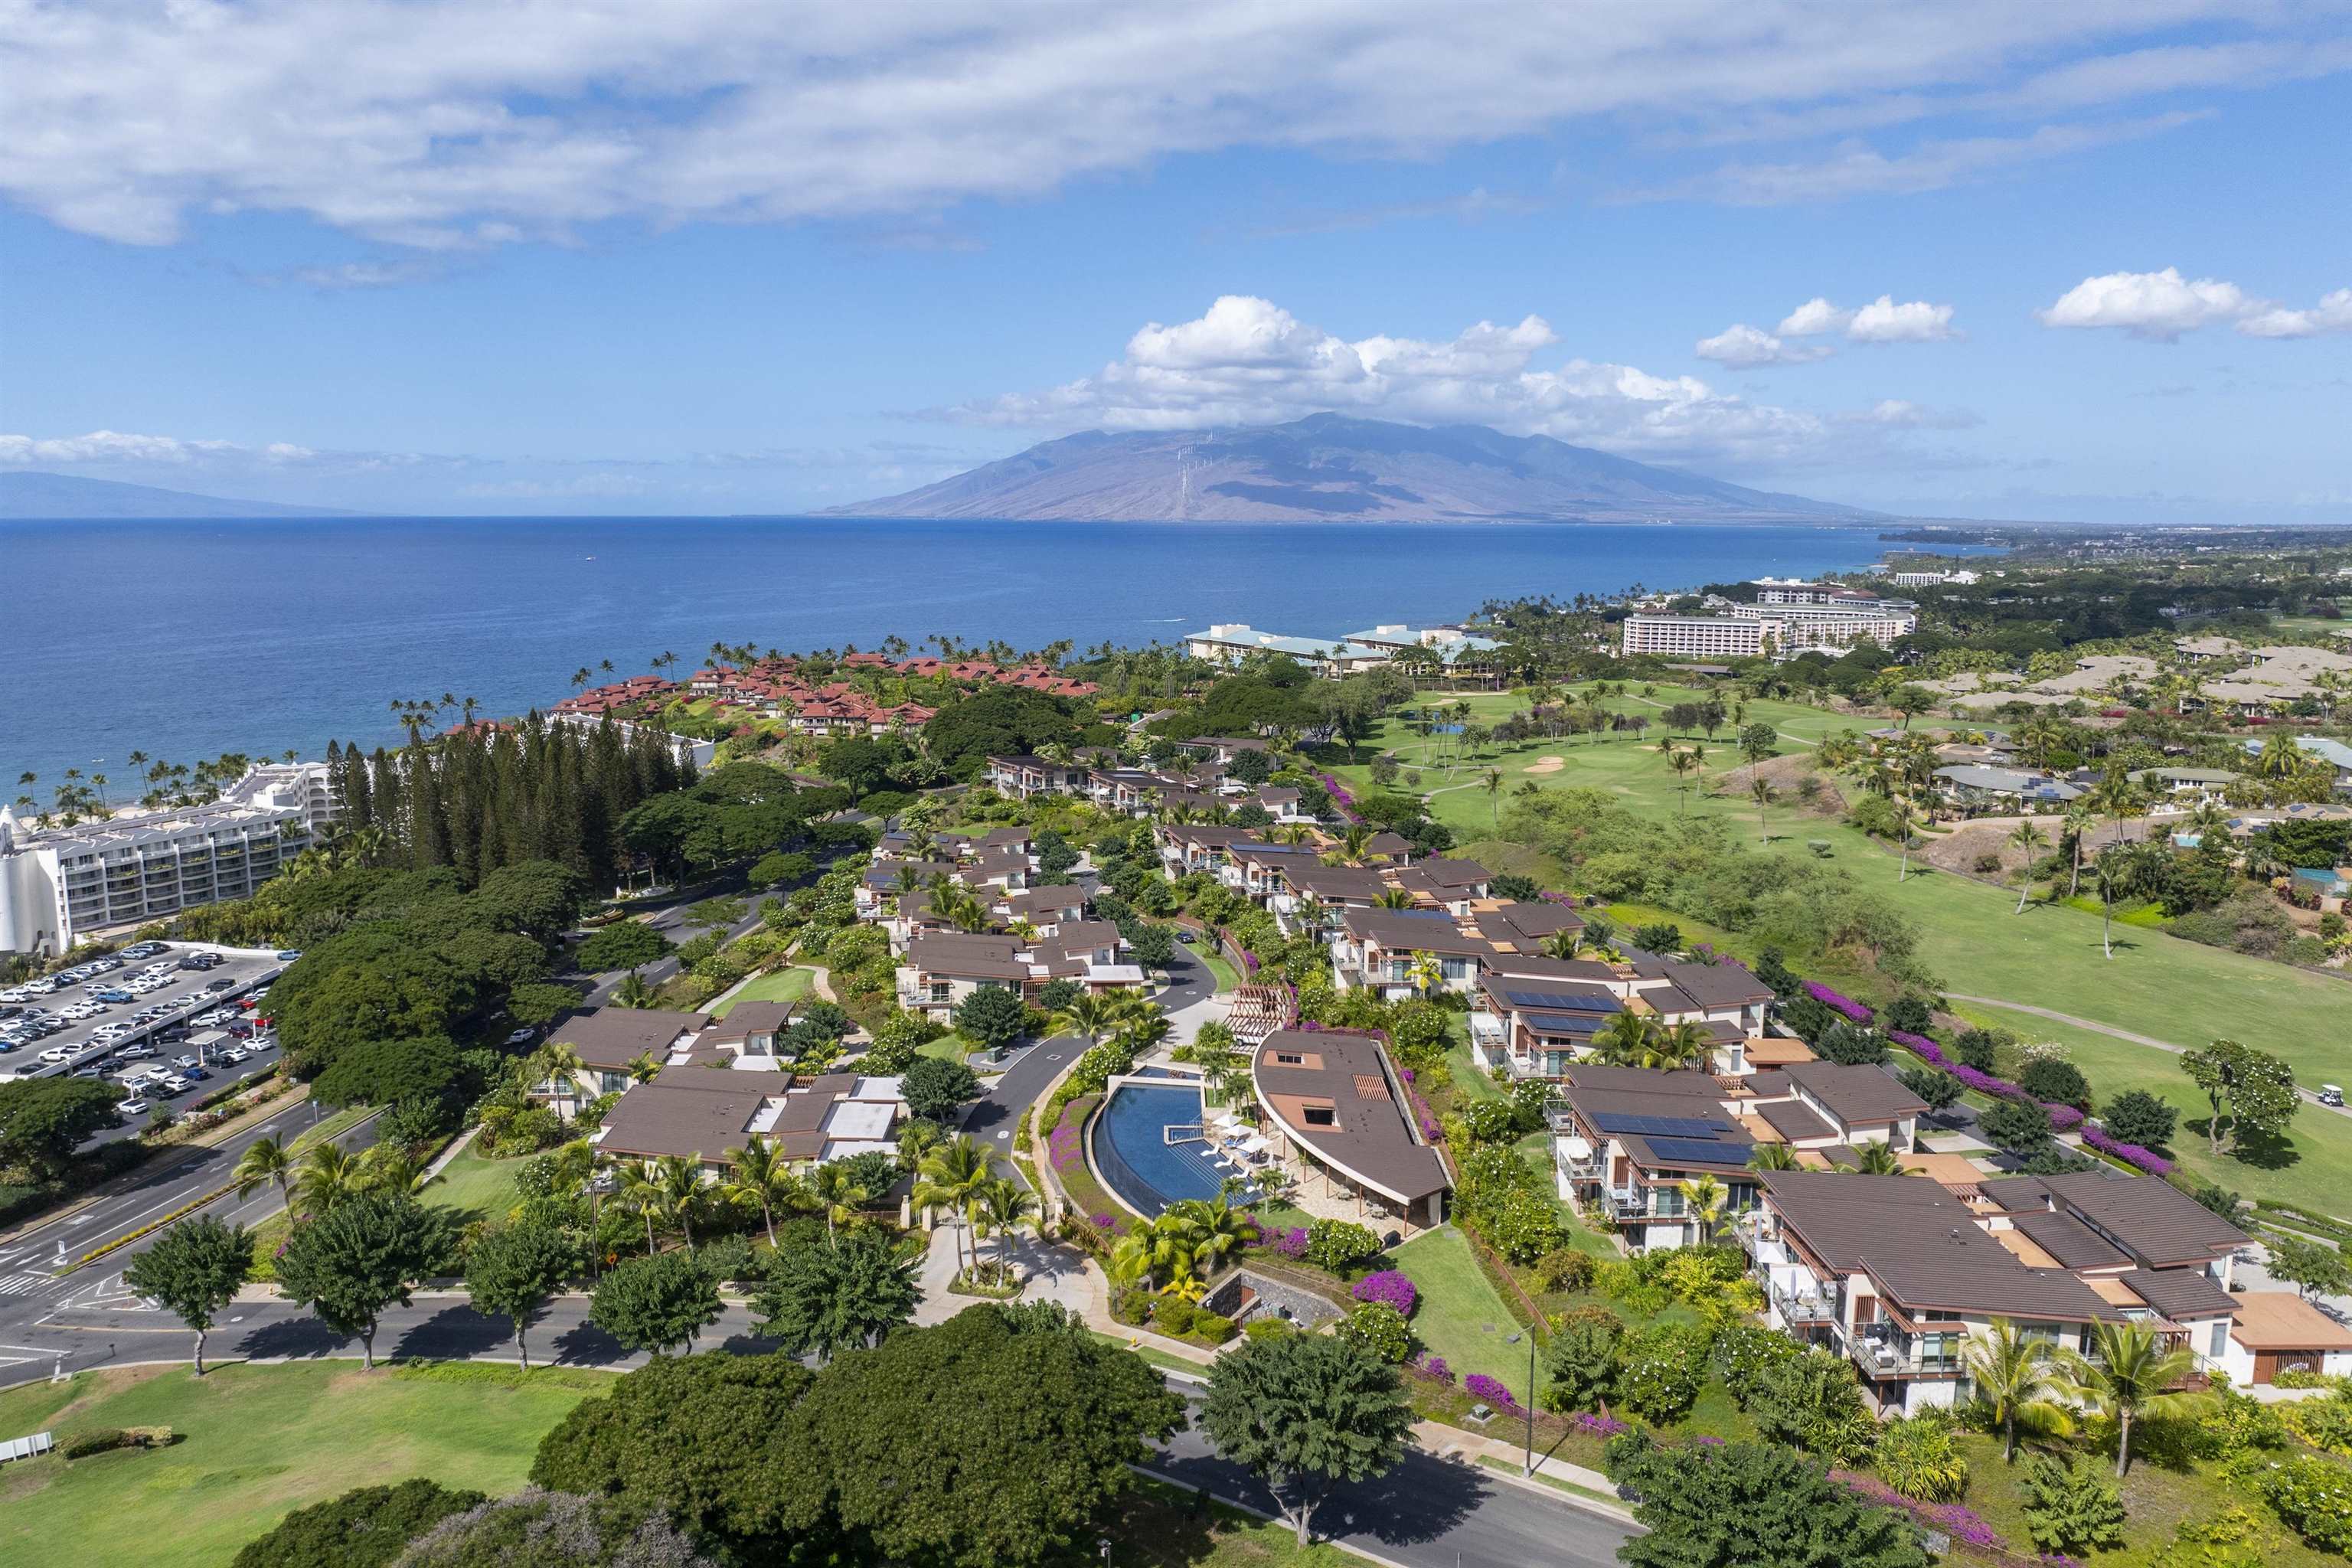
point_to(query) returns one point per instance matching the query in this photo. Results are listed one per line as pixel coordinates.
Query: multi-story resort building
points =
(1782, 629)
(1693, 636)
(1341, 655)
(61, 885)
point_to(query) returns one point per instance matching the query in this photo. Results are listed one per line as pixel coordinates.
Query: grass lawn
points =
(2311, 1167)
(1461, 1316)
(776, 986)
(1153, 1353)
(949, 1047)
(1228, 977)
(1157, 1526)
(258, 1442)
(2050, 956)
(476, 1187)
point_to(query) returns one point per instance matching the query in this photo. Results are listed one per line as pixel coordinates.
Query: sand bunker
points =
(1546, 766)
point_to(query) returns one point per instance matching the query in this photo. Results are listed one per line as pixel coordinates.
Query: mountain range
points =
(66, 497)
(1329, 468)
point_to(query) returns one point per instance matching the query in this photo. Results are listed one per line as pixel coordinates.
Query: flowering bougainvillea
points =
(1390, 1286)
(1598, 1425)
(1287, 1241)
(1491, 1390)
(2063, 1118)
(1961, 1524)
(2147, 1159)
(1429, 1363)
(1837, 1001)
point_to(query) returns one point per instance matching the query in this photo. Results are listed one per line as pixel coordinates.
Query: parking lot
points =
(111, 1039)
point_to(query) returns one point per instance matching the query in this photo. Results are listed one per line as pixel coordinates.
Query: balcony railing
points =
(1805, 1306)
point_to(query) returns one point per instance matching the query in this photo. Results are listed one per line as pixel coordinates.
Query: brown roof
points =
(615, 1037)
(1923, 1246)
(748, 1018)
(1526, 925)
(1794, 1121)
(1397, 931)
(1374, 1138)
(1335, 884)
(2182, 1293)
(1856, 1094)
(687, 1110)
(2067, 1239)
(2149, 1218)
(1718, 984)
(965, 957)
(2280, 1320)
(1438, 871)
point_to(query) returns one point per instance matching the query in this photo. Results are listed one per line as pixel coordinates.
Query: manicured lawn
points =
(257, 1442)
(2311, 1167)
(949, 1048)
(1228, 977)
(1153, 1353)
(1461, 1316)
(476, 1186)
(776, 986)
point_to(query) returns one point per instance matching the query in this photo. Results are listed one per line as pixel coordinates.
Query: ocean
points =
(188, 639)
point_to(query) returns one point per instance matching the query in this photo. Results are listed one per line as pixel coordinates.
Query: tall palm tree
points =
(2130, 1369)
(329, 1173)
(641, 1195)
(1492, 779)
(265, 1163)
(1214, 1230)
(555, 1064)
(2076, 825)
(2029, 837)
(1771, 1157)
(1704, 1198)
(1682, 1044)
(2123, 870)
(837, 1187)
(1089, 1015)
(1903, 822)
(950, 1175)
(1622, 1041)
(2016, 1377)
(1001, 1207)
(1759, 790)
(1427, 975)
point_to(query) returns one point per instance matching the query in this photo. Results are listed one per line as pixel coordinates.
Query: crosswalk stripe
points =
(17, 1284)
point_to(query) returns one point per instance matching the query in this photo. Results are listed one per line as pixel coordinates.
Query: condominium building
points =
(1700, 637)
(1792, 628)
(60, 885)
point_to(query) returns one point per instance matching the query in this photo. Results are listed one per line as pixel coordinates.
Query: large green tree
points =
(364, 1528)
(624, 944)
(847, 1296)
(2251, 1090)
(935, 1089)
(706, 1435)
(192, 1271)
(363, 1255)
(1306, 1413)
(991, 1016)
(993, 1440)
(1744, 1504)
(515, 1268)
(44, 1119)
(656, 1304)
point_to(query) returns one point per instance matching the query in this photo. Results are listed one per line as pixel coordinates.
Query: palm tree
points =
(1214, 1229)
(1562, 944)
(1704, 1199)
(680, 1179)
(2077, 823)
(2130, 1369)
(1624, 1039)
(641, 1195)
(1682, 761)
(1771, 1157)
(1682, 1044)
(1759, 790)
(1493, 778)
(758, 1176)
(644, 1068)
(392, 1170)
(1089, 1015)
(2029, 837)
(1145, 1032)
(556, 1065)
(633, 992)
(265, 1163)
(329, 1174)
(1003, 1207)
(1393, 899)
(1876, 1158)
(917, 1138)
(2015, 1377)
(950, 1175)
(2123, 870)
(1427, 975)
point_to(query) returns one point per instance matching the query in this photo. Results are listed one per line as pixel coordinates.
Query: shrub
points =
(2312, 1497)
(2325, 1424)
(1814, 1401)
(1490, 1390)
(365, 1528)
(2138, 1117)
(1565, 1268)
(2055, 1080)
(1744, 1352)
(1492, 1120)
(1267, 1328)
(1662, 1368)
(1379, 1329)
(1213, 1327)
(2071, 1507)
(1390, 1286)
(1977, 1049)
(104, 1440)
(1339, 1245)
(1174, 1315)
(1917, 1457)
(1582, 1360)
(1908, 1012)
(1852, 1045)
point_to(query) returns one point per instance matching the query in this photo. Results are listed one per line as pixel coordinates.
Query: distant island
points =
(1329, 468)
(64, 498)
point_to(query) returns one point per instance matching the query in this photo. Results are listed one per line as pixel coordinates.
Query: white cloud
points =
(2332, 314)
(1884, 322)
(1247, 361)
(109, 446)
(1743, 347)
(2161, 306)
(447, 123)
(1814, 317)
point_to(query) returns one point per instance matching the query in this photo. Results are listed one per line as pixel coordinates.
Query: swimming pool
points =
(1134, 1157)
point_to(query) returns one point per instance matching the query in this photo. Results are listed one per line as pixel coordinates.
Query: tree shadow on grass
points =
(585, 1344)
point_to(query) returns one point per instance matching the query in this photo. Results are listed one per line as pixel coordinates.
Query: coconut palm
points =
(1876, 1158)
(683, 1190)
(556, 1065)
(1492, 779)
(1427, 975)
(917, 1138)
(633, 992)
(1214, 1230)
(644, 1068)
(1622, 1041)
(1704, 1198)
(390, 1169)
(840, 1192)
(951, 1176)
(1001, 1207)
(2029, 837)
(641, 1195)
(1089, 1015)
(1759, 790)
(2123, 870)
(265, 1163)
(1682, 1044)
(759, 1177)
(328, 1174)
(1562, 944)
(1771, 1157)
(2015, 1377)
(2131, 1370)
(1144, 1033)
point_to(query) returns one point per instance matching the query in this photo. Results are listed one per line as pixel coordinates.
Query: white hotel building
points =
(61, 885)
(1782, 631)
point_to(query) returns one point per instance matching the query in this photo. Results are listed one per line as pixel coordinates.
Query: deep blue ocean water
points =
(189, 639)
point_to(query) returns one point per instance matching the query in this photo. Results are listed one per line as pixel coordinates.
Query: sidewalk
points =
(1445, 1441)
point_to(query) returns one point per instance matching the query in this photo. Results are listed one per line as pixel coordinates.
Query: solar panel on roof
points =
(1658, 1126)
(1693, 1152)
(1564, 1001)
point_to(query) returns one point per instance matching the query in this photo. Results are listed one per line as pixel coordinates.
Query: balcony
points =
(1882, 1351)
(1806, 1307)
(1627, 1203)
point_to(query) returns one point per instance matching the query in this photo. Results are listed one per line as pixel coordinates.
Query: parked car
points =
(183, 1062)
(194, 1074)
(58, 1054)
(241, 1029)
(173, 1083)
(134, 1053)
(235, 1055)
(289, 955)
(88, 1072)
(134, 1106)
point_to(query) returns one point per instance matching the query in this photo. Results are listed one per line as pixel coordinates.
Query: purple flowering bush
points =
(1963, 1525)
(2147, 1159)
(1919, 1045)
(1837, 1001)
(1287, 1242)
(1598, 1425)
(2063, 1118)
(1388, 1286)
(1493, 1391)
(1430, 1364)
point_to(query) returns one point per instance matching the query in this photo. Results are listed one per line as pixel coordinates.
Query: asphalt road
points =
(31, 1297)
(1426, 1513)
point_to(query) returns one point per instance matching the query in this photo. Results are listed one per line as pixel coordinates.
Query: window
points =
(1289, 1059)
(2218, 1345)
(1321, 1116)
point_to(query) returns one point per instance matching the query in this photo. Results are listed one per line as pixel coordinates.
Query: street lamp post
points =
(1527, 1464)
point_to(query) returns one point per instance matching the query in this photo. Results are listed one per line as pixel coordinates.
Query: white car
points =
(174, 1083)
(235, 1055)
(110, 1031)
(17, 993)
(58, 1054)
(134, 1106)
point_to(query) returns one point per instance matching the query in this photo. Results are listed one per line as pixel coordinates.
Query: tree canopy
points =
(657, 1303)
(363, 1255)
(936, 1090)
(1733, 1505)
(364, 1528)
(2249, 1091)
(44, 1119)
(192, 1271)
(830, 1298)
(1307, 1412)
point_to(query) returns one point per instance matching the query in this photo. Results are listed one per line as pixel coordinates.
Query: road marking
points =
(19, 1284)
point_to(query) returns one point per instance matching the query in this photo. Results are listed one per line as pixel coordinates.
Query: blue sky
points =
(2088, 262)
